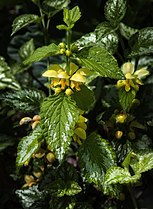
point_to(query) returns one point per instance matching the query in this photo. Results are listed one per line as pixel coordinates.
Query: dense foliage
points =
(76, 108)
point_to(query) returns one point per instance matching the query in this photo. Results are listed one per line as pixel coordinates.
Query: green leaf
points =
(65, 172)
(86, 40)
(120, 175)
(42, 52)
(84, 98)
(7, 80)
(26, 100)
(115, 11)
(29, 196)
(100, 61)
(24, 20)
(26, 49)
(59, 115)
(127, 159)
(143, 42)
(106, 37)
(71, 16)
(28, 146)
(126, 98)
(95, 157)
(62, 27)
(126, 31)
(60, 188)
(51, 7)
(143, 163)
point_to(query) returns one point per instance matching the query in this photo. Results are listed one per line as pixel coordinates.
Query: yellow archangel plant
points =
(132, 77)
(61, 80)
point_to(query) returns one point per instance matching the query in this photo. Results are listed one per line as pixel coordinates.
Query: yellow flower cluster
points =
(37, 172)
(132, 78)
(60, 80)
(80, 130)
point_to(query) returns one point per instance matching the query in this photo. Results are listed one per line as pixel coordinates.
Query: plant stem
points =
(68, 37)
(132, 197)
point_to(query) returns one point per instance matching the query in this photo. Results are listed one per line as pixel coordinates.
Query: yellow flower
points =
(58, 75)
(76, 80)
(132, 78)
(30, 180)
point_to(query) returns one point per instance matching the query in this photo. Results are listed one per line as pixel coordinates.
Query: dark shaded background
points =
(139, 15)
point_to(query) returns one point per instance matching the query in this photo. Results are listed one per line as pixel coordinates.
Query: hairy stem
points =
(68, 38)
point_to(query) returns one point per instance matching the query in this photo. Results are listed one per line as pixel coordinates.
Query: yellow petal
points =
(78, 78)
(120, 83)
(143, 72)
(63, 74)
(127, 67)
(80, 132)
(73, 68)
(50, 74)
(129, 76)
(55, 67)
(82, 125)
(84, 71)
(127, 87)
(82, 119)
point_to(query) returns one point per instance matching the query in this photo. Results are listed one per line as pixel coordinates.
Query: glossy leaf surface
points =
(95, 157)
(26, 100)
(106, 37)
(24, 20)
(115, 11)
(120, 175)
(26, 49)
(84, 98)
(59, 115)
(60, 188)
(126, 98)
(100, 61)
(42, 52)
(30, 195)
(28, 146)
(51, 7)
(143, 42)
(127, 31)
(143, 163)
(7, 80)
(86, 40)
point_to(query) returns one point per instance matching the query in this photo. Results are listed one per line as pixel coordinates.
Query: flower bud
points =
(68, 92)
(62, 45)
(120, 118)
(57, 90)
(118, 134)
(68, 53)
(36, 118)
(50, 157)
(131, 135)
